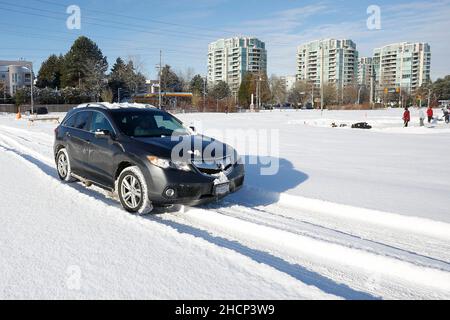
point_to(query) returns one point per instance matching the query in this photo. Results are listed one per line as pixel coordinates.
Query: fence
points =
(10, 108)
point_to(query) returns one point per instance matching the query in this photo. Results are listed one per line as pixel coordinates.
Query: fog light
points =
(170, 193)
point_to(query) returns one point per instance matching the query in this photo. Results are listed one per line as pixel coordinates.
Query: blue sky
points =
(34, 29)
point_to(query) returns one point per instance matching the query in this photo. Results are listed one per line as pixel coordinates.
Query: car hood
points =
(189, 146)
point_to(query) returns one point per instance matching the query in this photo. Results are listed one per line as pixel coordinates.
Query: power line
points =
(109, 24)
(65, 37)
(137, 18)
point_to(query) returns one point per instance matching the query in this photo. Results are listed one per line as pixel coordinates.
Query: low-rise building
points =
(15, 75)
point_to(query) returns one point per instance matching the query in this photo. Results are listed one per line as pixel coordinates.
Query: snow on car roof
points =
(107, 105)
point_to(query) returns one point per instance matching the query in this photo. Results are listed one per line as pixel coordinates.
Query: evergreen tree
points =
(124, 77)
(49, 76)
(441, 88)
(170, 82)
(117, 78)
(220, 91)
(197, 85)
(83, 64)
(246, 90)
(134, 80)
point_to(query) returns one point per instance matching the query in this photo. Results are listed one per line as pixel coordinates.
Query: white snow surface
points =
(351, 214)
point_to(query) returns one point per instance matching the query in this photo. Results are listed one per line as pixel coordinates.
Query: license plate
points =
(222, 189)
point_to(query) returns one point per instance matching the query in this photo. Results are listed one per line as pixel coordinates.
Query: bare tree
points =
(278, 89)
(350, 94)
(139, 64)
(329, 94)
(300, 93)
(186, 78)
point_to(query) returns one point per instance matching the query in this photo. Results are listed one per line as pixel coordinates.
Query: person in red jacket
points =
(430, 114)
(406, 117)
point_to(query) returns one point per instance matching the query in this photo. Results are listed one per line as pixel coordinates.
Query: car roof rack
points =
(110, 106)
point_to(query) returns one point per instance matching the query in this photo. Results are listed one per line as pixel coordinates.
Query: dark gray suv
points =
(145, 155)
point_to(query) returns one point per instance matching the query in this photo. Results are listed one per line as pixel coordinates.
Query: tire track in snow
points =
(269, 218)
(395, 279)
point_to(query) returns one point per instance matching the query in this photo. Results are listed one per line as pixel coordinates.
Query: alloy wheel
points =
(63, 165)
(131, 191)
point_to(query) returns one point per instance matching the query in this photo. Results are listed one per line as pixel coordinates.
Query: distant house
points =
(152, 86)
(15, 75)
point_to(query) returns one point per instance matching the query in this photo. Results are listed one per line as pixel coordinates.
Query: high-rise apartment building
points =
(230, 59)
(404, 66)
(365, 71)
(289, 82)
(330, 61)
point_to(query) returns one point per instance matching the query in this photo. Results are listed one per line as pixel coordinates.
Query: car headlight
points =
(166, 164)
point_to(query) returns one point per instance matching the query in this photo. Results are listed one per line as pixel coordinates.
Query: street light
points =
(118, 94)
(359, 95)
(30, 67)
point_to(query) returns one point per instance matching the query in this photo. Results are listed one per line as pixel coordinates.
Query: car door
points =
(79, 139)
(101, 150)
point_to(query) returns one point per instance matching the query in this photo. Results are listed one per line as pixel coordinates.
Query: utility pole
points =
(160, 76)
(258, 91)
(118, 95)
(429, 97)
(260, 100)
(321, 78)
(30, 67)
(205, 83)
(359, 95)
(372, 76)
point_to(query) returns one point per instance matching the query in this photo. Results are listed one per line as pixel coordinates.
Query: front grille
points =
(212, 172)
(214, 167)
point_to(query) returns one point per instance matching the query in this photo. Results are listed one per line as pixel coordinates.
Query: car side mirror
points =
(193, 129)
(102, 134)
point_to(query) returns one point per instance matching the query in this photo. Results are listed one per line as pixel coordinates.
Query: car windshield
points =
(146, 124)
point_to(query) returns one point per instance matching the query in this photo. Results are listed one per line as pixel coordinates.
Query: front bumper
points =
(191, 188)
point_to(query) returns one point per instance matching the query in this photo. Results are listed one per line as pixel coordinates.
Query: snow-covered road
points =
(66, 241)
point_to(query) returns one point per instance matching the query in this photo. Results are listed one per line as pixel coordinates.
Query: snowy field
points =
(350, 214)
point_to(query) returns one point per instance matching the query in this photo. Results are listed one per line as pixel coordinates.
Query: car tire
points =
(133, 191)
(63, 166)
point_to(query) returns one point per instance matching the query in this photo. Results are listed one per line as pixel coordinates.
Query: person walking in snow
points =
(446, 114)
(422, 117)
(430, 114)
(406, 117)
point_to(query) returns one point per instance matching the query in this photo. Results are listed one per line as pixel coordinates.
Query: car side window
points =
(100, 123)
(165, 123)
(70, 123)
(82, 121)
